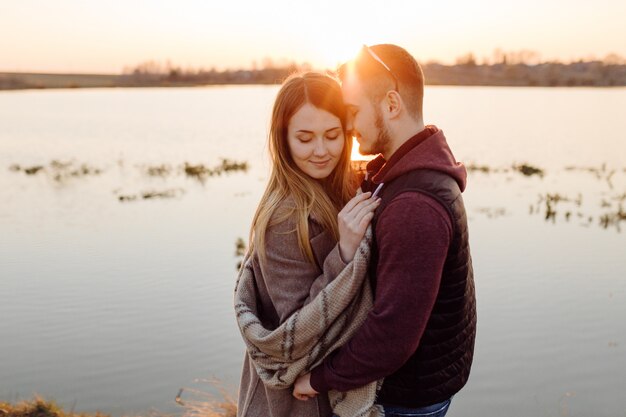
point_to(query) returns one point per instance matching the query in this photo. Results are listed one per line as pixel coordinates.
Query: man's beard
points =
(383, 139)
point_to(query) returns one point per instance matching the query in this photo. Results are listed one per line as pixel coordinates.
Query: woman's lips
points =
(320, 164)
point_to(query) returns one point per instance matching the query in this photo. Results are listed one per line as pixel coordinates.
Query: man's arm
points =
(413, 235)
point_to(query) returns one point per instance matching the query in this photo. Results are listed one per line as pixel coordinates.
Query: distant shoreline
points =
(578, 74)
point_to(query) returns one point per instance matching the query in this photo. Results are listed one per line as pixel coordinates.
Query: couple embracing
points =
(356, 296)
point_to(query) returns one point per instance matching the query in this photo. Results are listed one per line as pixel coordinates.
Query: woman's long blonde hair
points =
(321, 198)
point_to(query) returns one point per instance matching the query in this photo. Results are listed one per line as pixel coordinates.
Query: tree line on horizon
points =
(520, 68)
(516, 68)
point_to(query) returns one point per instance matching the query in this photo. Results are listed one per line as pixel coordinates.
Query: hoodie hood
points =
(431, 153)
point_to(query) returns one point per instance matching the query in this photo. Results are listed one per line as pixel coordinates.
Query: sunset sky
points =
(106, 36)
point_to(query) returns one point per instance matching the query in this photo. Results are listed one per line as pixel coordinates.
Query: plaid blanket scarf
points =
(303, 340)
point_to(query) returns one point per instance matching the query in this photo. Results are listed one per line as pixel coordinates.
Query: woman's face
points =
(316, 140)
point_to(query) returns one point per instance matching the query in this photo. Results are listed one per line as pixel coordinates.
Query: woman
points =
(301, 238)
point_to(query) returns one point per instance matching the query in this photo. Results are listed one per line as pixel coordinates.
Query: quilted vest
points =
(440, 366)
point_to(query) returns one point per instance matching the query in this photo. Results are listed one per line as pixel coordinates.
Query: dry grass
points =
(196, 403)
(201, 403)
(38, 407)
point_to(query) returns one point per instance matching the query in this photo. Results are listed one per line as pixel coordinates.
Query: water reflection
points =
(200, 172)
(146, 195)
(525, 169)
(553, 206)
(59, 170)
(601, 173)
(136, 298)
(240, 251)
(62, 171)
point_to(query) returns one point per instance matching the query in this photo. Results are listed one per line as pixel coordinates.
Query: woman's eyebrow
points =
(310, 131)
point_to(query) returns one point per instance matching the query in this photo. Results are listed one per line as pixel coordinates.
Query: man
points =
(420, 333)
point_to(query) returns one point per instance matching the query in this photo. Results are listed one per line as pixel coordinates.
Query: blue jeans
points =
(434, 410)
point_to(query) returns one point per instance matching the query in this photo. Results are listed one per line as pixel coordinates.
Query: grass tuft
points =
(38, 407)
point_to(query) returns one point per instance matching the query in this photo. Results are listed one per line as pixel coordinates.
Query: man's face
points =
(365, 120)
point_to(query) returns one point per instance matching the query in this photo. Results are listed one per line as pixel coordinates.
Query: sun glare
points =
(356, 156)
(335, 54)
(332, 51)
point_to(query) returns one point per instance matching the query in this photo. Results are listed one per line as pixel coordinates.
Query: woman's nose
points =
(320, 148)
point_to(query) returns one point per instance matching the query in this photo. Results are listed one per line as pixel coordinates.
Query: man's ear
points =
(393, 104)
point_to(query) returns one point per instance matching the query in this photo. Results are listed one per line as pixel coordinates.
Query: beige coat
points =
(285, 282)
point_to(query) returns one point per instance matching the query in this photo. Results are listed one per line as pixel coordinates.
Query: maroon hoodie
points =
(413, 235)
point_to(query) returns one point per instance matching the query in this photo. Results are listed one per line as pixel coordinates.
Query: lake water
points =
(115, 305)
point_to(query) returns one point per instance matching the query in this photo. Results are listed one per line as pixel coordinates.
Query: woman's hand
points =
(353, 220)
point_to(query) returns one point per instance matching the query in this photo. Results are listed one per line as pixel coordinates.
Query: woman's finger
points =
(359, 206)
(365, 221)
(354, 201)
(364, 208)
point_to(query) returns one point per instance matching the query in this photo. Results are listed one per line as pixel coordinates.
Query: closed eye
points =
(333, 133)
